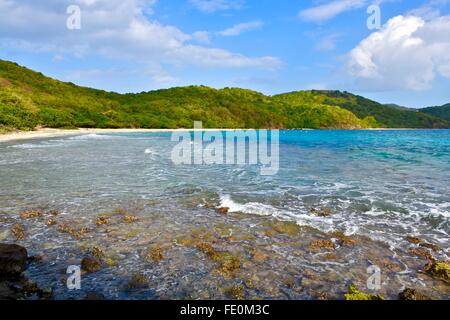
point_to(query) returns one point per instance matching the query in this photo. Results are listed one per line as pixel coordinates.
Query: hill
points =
(387, 116)
(29, 99)
(440, 111)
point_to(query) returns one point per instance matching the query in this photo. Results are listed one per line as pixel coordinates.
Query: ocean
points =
(372, 188)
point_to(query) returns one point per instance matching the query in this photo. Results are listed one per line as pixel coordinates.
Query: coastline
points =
(54, 133)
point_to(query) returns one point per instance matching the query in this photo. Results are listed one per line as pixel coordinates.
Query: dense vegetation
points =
(388, 116)
(29, 99)
(441, 111)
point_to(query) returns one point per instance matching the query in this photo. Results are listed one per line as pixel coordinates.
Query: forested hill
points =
(29, 99)
(441, 111)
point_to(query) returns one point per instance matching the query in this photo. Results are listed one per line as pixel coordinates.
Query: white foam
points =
(250, 208)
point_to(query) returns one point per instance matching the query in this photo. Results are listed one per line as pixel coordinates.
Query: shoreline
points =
(55, 133)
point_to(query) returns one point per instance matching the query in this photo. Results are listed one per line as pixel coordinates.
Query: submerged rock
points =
(284, 227)
(439, 270)
(31, 214)
(354, 294)
(411, 294)
(13, 259)
(223, 211)
(430, 246)
(321, 212)
(130, 218)
(18, 231)
(236, 292)
(91, 264)
(50, 222)
(101, 221)
(138, 281)
(422, 253)
(343, 239)
(319, 245)
(155, 254)
(413, 240)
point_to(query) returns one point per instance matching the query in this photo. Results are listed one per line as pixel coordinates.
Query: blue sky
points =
(266, 45)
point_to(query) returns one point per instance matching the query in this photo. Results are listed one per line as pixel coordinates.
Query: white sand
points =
(50, 133)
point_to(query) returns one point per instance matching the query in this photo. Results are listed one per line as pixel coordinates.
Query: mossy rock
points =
(355, 294)
(320, 245)
(236, 292)
(439, 270)
(284, 227)
(411, 294)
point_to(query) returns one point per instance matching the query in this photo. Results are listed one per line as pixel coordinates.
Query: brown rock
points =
(422, 253)
(223, 211)
(320, 245)
(90, 264)
(31, 214)
(18, 231)
(413, 240)
(13, 259)
(411, 294)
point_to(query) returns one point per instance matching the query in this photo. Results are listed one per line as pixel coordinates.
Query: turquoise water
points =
(379, 185)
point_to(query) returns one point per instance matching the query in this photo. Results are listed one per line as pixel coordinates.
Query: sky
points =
(392, 51)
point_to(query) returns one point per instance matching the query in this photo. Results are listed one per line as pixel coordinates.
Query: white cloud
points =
(112, 28)
(240, 28)
(210, 6)
(407, 53)
(330, 10)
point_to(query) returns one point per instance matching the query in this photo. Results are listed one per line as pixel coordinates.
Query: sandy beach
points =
(51, 133)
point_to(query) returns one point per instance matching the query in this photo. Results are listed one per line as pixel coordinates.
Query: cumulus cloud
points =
(112, 28)
(240, 28)
(409, 52)
(330, 10)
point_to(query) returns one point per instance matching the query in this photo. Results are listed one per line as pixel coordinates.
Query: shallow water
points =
(380, 186)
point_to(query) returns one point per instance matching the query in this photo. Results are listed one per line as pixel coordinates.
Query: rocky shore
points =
(230, 256)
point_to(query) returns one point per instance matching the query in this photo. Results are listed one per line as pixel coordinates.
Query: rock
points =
(342, 239)
(102, 220)
(236, 292)
(354, 294)
(31, 214)
(284, 227)
(155, 254)
(430, 246)
(411, 294)
(91, 264)
(138, 281)
(319, 245)
(438, 269)
(18, 231)
(422, 253)
(223, 211)
(50, 222)
(13, 259)
(130, 219)
(413, 240)
(322, 212)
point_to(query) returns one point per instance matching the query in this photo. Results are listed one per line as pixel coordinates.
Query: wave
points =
(92, 136)
(250, 208)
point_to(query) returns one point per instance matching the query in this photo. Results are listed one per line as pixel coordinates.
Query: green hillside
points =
(441, 111)
(388, 116)
(29, 99)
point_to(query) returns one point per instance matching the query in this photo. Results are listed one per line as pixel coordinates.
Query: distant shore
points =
(53, 133)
